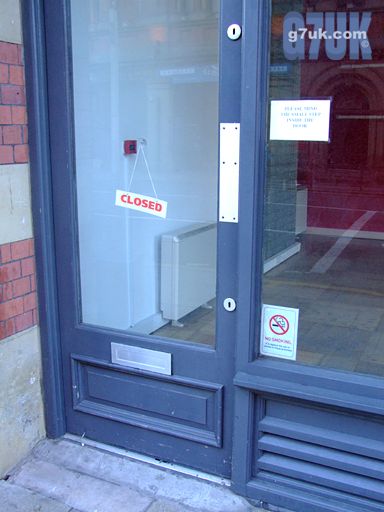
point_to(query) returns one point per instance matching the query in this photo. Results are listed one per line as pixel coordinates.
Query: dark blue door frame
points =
(259, 384)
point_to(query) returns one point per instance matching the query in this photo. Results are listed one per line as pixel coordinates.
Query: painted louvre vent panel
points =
(323, 449)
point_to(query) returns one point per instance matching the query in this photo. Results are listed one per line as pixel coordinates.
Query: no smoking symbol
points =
(279, 325)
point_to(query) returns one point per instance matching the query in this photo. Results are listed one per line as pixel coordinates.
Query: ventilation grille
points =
(339, 454)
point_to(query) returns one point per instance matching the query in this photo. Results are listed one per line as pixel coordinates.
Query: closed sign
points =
(146, 204)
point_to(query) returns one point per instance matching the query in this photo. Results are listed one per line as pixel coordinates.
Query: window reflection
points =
(324, 214)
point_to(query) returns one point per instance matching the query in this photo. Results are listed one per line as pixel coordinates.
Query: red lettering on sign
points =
(144, 203)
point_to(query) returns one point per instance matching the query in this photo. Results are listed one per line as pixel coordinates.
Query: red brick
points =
(10, 327)
(31, 247)
(33, 282)
(6, 114)
(12, 134)
(6, 155)
(11, 308)
(4, 73)
(12, 95)
(20, 54)
(9, 53)
(35, 316)
(30, 302)
(19, 115)
(11, 271)
(27, 266)
(2, 331)
(24, 321)
(21, 287)
(20, 249)
(25, 134)
(5, 253)
(16, 75)
(7, 291)
(21, 153)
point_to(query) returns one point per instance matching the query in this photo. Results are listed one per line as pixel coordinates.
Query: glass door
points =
(142, 275)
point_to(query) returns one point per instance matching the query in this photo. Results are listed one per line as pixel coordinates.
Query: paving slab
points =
(76, 490)
(169, 506)
(153, 481)
(17, 499)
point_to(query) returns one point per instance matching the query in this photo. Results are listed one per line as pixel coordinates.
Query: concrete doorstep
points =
(67, 476)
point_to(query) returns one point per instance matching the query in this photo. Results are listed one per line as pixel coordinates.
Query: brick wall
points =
(13, 117)
(18, 304)
(18, 310)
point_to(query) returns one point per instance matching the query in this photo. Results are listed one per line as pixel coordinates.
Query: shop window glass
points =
(324, 199)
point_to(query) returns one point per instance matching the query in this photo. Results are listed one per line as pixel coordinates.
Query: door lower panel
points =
(185, 408)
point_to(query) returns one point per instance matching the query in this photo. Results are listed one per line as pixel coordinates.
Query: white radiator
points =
(188, 269)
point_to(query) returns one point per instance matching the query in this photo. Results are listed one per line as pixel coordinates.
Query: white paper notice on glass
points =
(304, 120)
(279, 331)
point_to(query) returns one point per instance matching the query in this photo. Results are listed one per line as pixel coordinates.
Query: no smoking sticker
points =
(279, 332)
(279, 325)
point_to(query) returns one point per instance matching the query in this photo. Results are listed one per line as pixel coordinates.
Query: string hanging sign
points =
(139, 202)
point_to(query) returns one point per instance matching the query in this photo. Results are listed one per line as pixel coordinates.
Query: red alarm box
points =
(130, 147)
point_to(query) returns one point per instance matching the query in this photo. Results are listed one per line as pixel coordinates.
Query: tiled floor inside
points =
(199, 326)
(339, 291)
(341, 302)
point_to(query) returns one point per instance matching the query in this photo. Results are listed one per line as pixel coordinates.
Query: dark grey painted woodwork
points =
(184, 408)
(345, 390)
(42, 208)
(320, 455)
(292, 494)
(321, 475)
(341, 440)
(190, 361)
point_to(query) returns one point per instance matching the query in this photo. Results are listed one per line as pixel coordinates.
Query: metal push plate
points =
(141, 358)
(229, 172)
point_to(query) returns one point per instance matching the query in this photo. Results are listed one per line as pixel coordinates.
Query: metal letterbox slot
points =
(229, 172)
(142, 358)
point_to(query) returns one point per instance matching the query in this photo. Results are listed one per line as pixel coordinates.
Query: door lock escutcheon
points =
(234, 32)
(229, 304)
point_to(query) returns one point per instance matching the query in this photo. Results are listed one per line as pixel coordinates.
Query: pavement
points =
(72, 475)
